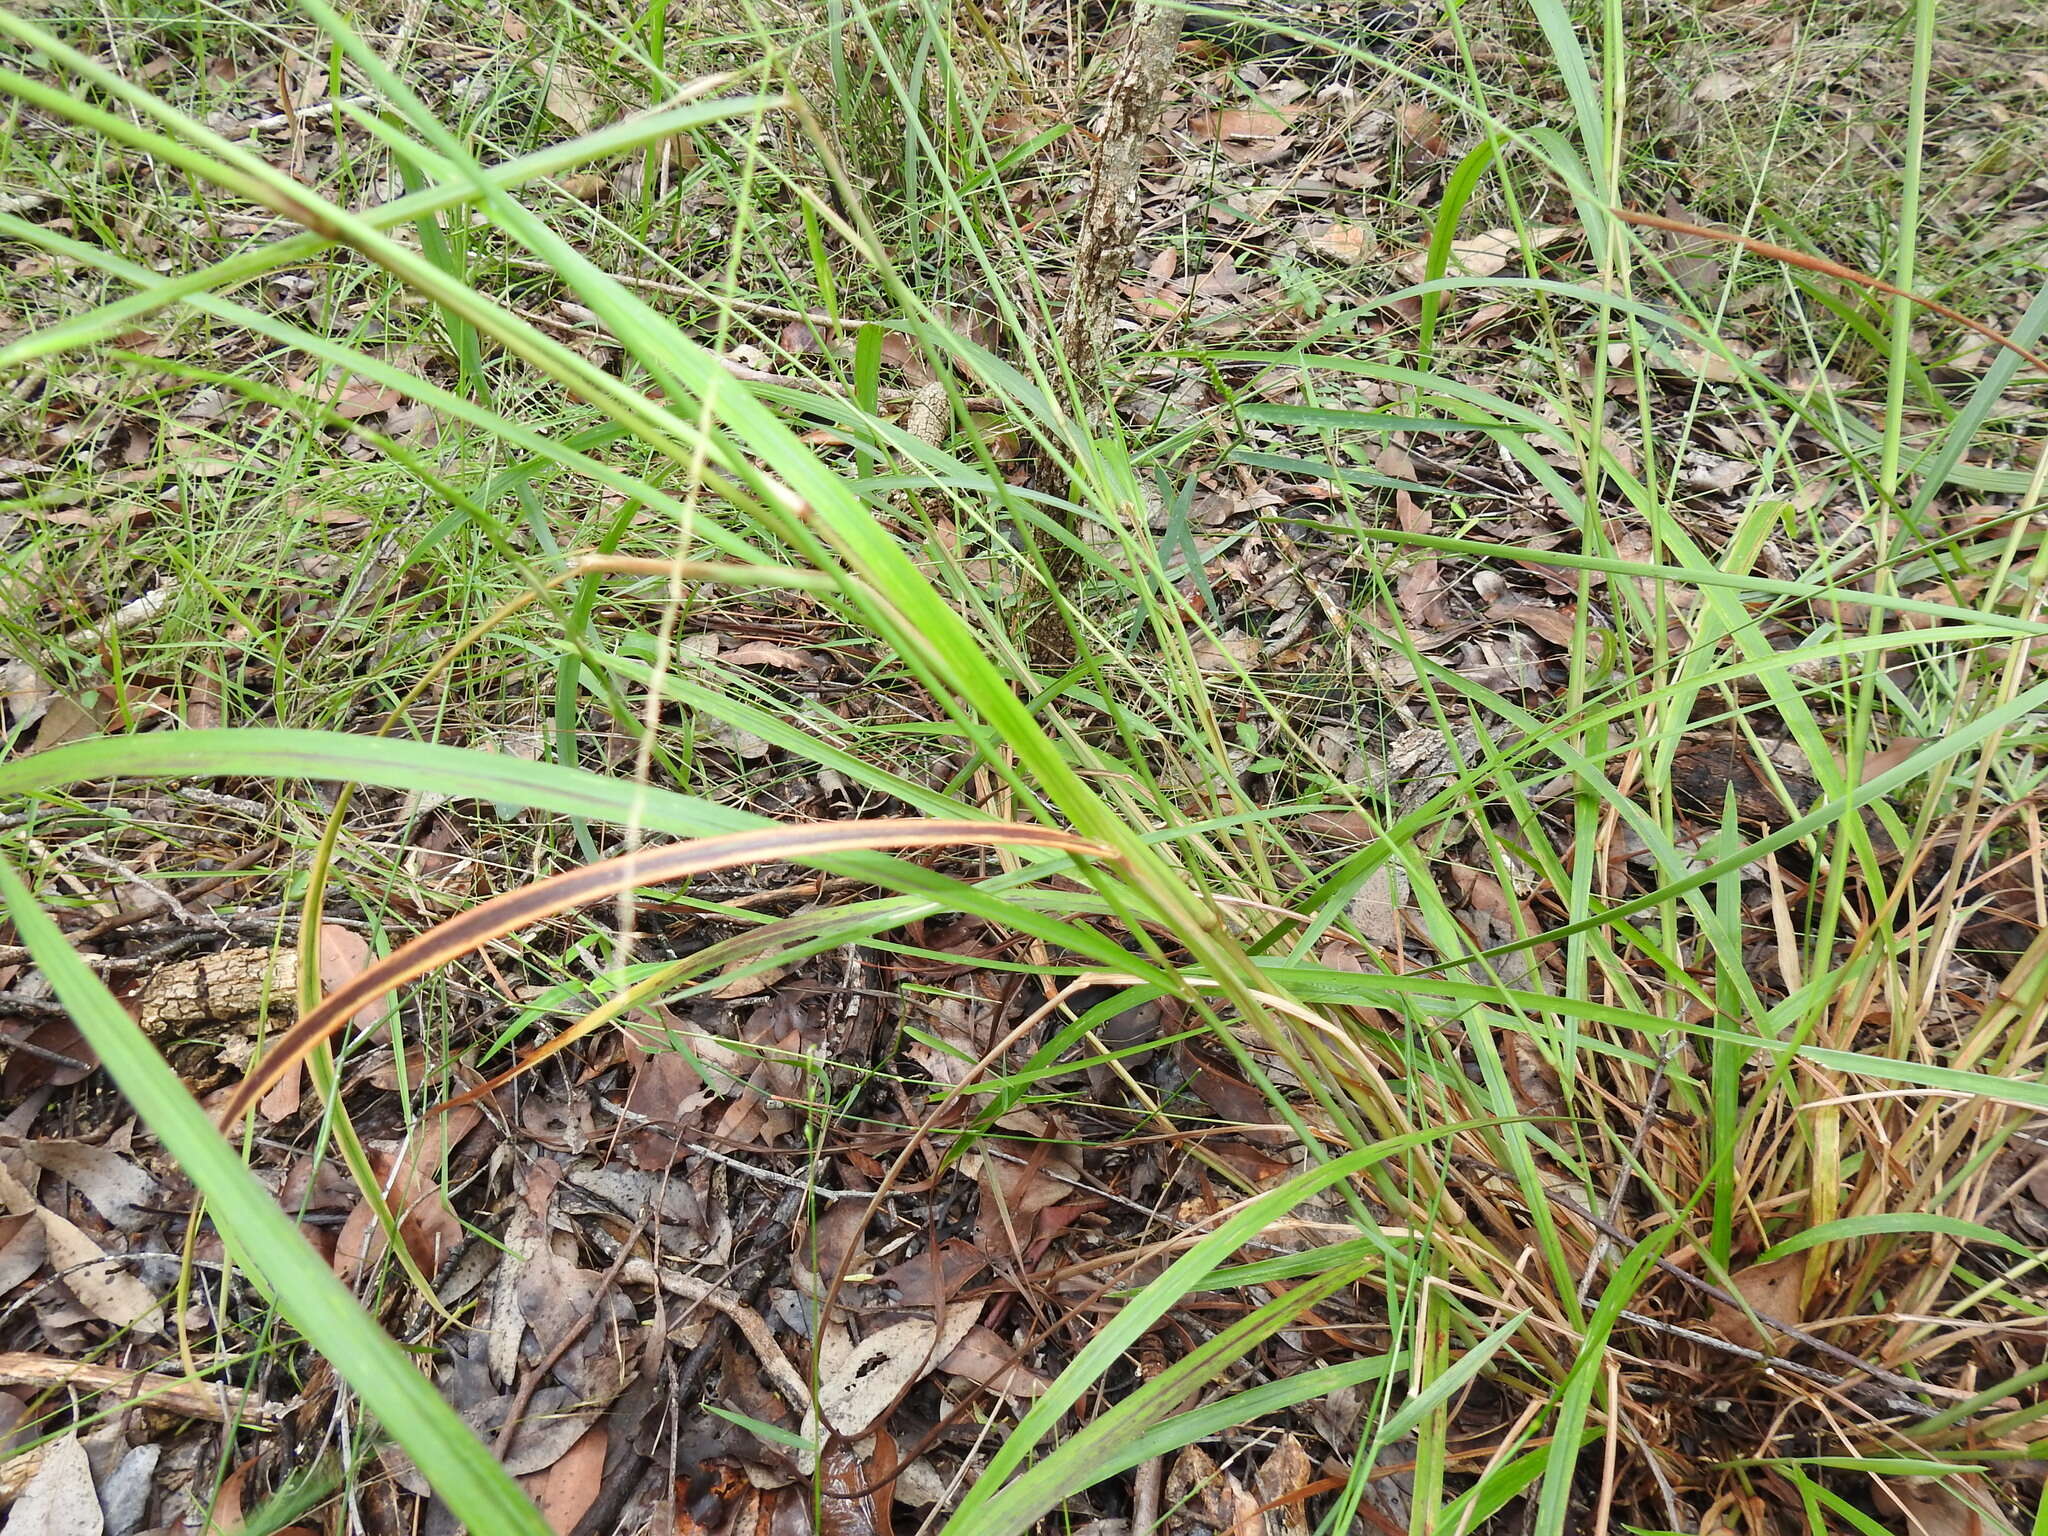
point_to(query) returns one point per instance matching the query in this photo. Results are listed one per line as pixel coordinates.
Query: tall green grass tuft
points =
(1465, 1100)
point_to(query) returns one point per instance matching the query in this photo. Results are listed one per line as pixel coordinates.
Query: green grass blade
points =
(1889, 1223)
(500, 778)
(1191, 1271)
(270, 1248)
(1401, 1423)
(244, 266)
(1126, 1434)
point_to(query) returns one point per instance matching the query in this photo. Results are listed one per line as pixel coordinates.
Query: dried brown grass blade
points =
(541, 899)
(1826, 268)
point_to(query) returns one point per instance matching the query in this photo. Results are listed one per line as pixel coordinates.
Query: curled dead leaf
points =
(1770, 1290)
(983, 1358)
(101, 1285)
(1341, 240)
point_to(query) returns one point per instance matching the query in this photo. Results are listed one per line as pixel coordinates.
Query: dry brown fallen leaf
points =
(359, 399)
(556, 1418)
(111, 1184)
(1227, 652)
(1553, 624)
(1341, 826)
(764, 653)
(98, 1283)
(861, 1383)
(983, 1358)
(1281, 1479)
(1722, 85)
(411, 1180)
(865, 1383)
(1201, 1496)
(1377, 905)
(59, 1499)
(227, 1512)
(26, 694)
(344, 955)
(571, 99)
(1890, 756)
(1484, 255)
(1951, 1506)
(66, 719)
(1771, 1290)
(1342, 240)
(1262, 120)
(571, 1485)
(525, 1237)
(935, 1275)
(586, 186)
(1421, 128)
(21, 1248)
(556, 1295)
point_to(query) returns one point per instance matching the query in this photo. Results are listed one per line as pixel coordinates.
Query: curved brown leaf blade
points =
(542, 899)
(1808, 262)
(613, 1007)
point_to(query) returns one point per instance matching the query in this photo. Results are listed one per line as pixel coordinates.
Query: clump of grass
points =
(1599, 1066)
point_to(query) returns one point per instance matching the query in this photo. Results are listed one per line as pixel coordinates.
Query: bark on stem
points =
(1109, 221)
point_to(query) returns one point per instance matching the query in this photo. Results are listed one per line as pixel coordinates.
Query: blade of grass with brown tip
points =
(593, 882)
(1811, 263)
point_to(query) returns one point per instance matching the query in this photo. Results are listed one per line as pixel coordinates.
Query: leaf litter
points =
(700, 1121)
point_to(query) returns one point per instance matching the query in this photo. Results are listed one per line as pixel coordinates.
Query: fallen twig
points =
(214, 1401)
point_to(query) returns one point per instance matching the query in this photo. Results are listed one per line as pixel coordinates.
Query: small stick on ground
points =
(576, 1329)
(216, 1401)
